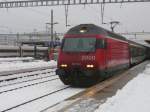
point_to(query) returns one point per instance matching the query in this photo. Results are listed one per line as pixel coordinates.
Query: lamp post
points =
(52, 28)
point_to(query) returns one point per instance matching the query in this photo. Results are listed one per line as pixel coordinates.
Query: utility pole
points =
(102, 12)
(52, 27)
(66, 15)
(17, 43)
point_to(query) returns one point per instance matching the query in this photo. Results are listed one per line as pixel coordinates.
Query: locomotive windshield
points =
(79, 45)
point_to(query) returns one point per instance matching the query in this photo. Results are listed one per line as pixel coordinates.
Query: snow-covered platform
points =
(129, 94)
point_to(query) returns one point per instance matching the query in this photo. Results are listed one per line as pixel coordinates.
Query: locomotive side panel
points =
(117, 55)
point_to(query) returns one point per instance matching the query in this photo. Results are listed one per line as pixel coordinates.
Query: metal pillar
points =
(35, 51)
(52, 27)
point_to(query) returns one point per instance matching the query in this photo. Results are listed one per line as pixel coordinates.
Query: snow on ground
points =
(46, 102)
(134, 97)
(16, 59)
(40, 89)
(19, 96)
(17, 66)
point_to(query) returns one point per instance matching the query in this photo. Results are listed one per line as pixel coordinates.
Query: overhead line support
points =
(34, 3)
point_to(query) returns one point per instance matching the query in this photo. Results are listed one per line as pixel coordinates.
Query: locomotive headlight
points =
(63, 65)
(82, 31)
(90, 66)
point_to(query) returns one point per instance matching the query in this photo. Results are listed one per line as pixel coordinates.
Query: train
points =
(90, 54)
(23, 51)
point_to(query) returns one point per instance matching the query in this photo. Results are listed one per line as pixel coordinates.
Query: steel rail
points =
(27, 85)
(35, 99)
(26, 81)
(5, 73)
(23, 76)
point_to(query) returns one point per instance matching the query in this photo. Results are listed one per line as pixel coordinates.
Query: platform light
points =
(89, 66)
(63, 65)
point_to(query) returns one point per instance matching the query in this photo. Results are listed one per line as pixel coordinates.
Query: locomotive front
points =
(79, 59)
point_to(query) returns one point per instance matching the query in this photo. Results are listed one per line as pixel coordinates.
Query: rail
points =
(4, 73)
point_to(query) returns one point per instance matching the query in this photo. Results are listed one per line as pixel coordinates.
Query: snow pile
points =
(134, 97)
(18, 66)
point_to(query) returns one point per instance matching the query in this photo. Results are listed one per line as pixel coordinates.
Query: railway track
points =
(19, 81)
(28, 80)
(58, 91)
(15, 84)
(44, 100)
(43, 92)
(16, 59)
(24, 75)
(26, 85)
(11, 72)
(45, 95)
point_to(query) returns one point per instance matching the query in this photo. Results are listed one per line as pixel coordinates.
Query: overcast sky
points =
(132, 17)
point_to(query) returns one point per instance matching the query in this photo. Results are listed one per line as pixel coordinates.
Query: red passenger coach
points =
(90, 54)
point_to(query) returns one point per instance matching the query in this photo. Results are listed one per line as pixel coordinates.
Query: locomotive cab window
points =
(79, 44)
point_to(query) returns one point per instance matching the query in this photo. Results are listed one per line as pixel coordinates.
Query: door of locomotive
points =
(105, 54)
(102, 46)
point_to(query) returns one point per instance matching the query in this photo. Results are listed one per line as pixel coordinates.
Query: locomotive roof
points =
(94, 29)
(91, 29)
(136, 43)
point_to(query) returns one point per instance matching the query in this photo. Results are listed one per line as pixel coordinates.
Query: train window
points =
(136, 51)
(79, 45)
(100, 43)
(62, 44)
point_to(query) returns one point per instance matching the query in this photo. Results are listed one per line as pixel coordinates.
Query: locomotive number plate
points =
(88, 58)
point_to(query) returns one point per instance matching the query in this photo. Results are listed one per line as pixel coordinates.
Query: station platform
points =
(91, 99)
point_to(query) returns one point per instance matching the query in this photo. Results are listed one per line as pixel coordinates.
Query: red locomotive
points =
(90, 54)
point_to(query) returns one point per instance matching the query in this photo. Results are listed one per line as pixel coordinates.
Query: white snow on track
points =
(19, 96)
(16, 59)
(26, 74)
(40, 90)
(4, 67)
(6, 88)
(42, 104)
(134, 97)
